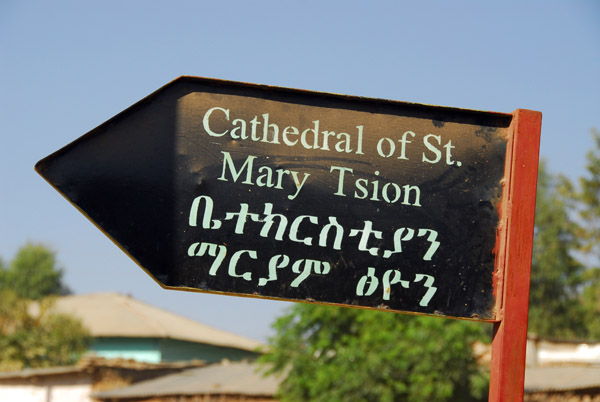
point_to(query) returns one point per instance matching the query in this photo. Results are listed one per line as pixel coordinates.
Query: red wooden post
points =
(515, 239)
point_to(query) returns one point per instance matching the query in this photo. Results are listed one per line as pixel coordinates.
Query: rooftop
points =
(561, 378)
(88, 364)
(226, 378)
(115, 315)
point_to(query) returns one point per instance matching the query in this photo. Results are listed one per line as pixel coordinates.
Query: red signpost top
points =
(515, 238)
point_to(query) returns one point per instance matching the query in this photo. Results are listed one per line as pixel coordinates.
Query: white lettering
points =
(296, 224)
(342, 170)
(207, 126)
(235, 174)
(432, 148)
(404, 141)
(234, 261)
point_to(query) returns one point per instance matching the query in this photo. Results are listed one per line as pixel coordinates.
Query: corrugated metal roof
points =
(115, 315)
(40, 372)
(239, 378)
(89, 364)
(559, 378)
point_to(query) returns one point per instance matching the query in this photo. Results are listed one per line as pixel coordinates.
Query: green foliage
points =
(565, 293)
(2, 274)
(339, 354)
(31, 336)
(554, 308)
(33, 273)
(591, 302)
(589, 210)
(589, 197)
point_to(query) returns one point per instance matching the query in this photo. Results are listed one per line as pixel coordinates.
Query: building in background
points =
(77, 383)
(547, 352)
(125, 328)
(560, 370)
(132, 342)
(144, 354)
(224, 382)
(571, 383)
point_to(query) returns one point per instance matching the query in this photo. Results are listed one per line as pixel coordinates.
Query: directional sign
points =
(268, 192)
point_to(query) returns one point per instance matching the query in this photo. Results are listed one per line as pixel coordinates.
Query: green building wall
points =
(161, 350)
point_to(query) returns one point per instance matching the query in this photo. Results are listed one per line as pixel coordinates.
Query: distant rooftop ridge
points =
(535, 337)
(112, 314)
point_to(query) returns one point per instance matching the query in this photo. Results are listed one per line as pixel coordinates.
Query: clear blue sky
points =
(68, 66)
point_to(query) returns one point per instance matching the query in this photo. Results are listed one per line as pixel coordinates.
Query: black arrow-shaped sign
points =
(269, 192)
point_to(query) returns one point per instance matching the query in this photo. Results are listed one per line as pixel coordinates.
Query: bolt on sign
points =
(258, 191)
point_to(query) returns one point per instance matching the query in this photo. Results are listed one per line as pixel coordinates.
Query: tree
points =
(2, 274)
(556, 275)
(589, 210)
(31, 336)
(336, 354)
(33, 273)
(591, 302)
(589, 198)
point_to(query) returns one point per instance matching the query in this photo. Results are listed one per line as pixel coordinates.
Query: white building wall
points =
(47, 391)
(549, 353)
(546, 353)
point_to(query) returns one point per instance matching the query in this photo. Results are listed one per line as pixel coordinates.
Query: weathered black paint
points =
(136, 176)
